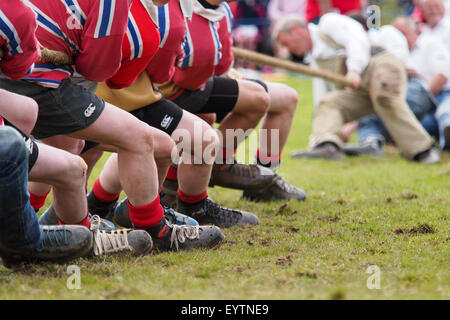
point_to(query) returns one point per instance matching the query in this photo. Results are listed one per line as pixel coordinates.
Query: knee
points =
(142, 139)
(74, 171)
(30, 119)
(291, 97)
(261, 101)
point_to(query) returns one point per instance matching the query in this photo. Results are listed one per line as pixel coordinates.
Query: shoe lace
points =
(108, 241)
(103, 224)
(53, 237)
(181, 233)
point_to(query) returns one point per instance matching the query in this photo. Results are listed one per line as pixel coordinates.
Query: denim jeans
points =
(419, 101)
(443, 114)
(19, 227)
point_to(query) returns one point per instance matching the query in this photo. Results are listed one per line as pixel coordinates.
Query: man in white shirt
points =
(372, 133)
(438, 25)
(378, 86)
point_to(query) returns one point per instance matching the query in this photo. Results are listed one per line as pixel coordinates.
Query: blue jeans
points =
(419, 101)
(19, 227)
(443, 114)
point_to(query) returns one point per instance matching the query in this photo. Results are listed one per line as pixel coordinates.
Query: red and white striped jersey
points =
(91, 31)
(140, 44)
(17, 39)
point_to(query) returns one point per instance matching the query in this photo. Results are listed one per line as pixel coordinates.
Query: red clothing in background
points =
(343, 6)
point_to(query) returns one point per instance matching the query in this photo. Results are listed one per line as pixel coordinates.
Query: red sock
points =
(85, 222)
(146, 216)
(37, 201)
(191, 198)
(172, 173)
(267, 159)
(101, 194)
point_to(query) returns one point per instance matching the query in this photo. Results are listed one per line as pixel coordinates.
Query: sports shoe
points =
(168, 195)
(102, 209)
(278, 189)
(175, 237)
(209, 212)
(59, 244)
(240, 176)
(49, 218)
(430, 156)
(326, 150)
(371, 147)
(138, 242)
(122, 216)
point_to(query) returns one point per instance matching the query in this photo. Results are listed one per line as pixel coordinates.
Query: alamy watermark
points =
(373, 281)
(74, 280)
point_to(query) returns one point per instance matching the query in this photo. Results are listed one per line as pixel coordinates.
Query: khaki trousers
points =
(383, 92)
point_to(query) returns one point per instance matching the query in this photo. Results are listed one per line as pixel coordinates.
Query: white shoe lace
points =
(180, 233)
(108, 241)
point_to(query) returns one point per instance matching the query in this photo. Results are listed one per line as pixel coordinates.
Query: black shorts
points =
(219, 95)
(31, 145)
(63, 110)
(163, 115)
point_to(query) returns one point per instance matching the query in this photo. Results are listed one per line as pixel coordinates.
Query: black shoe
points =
(102, 209)
(59, 244)
(327, 150)
(240, 176)
(447, 138)
(278, 189)
(175, 237)
(122, 216)
(372, 147)
(209, 212)
(430, 156)
(169, 192)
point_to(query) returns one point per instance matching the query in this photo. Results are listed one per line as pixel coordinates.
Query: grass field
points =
(386, 212)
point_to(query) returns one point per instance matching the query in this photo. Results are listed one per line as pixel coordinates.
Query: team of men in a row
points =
(143, 74)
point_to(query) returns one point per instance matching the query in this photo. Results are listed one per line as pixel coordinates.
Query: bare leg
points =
(67, 174)
(21, 111)
(251, 106)
(193, 178)
(283, 104)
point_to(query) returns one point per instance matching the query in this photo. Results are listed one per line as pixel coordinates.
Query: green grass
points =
(386, 212)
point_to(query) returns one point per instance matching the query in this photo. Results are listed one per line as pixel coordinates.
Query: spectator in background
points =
(280, 8)
(438, 25)
(317, 8)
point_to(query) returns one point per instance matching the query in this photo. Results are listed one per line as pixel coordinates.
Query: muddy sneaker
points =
(138, 242)
(240, 176)
(49, 218)
(279, 189)
(59, 244)
(168, 195)
(168, 237)
(101, 209)
(209, 212)
(122, 216)
(327, 150)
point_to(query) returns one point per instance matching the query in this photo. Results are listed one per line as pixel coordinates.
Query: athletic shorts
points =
(63, 110)
(219, 95)
(163, 115)
(31, 145)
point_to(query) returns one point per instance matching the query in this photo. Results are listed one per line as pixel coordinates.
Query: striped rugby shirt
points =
(91, 31)
(17, 39)
(140, 44)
